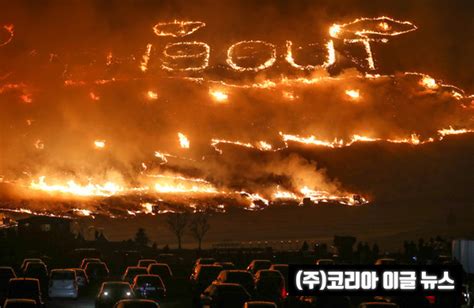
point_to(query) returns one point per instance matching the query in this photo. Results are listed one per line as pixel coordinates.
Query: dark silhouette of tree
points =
(199, 227)
(304, 247)
(177, 223)
(141, 238)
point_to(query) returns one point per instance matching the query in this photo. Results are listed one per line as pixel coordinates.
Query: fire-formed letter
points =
(249, 53)
(186, 56)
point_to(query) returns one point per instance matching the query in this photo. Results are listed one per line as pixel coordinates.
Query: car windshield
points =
(62, 275)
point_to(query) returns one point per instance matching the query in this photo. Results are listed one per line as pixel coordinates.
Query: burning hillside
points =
(178, 122)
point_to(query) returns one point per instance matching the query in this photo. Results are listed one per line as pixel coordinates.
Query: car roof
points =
(227, 285)
(148, 275)
(235, 271)
(62, 270)
(159, 265)
(209, 266)
(24, 279)
(111, 283)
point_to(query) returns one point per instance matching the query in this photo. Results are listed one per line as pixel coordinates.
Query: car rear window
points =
(62, 275)
(238, 276)
(22, 288)
(149, 279)
(207, 272)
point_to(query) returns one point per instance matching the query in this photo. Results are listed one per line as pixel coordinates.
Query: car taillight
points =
(284, 294)
(431, 299)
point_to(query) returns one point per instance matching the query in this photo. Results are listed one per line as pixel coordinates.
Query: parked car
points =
(244, 278)
(283, 269)
(226, 265)
(63, 284)
(202, 276)
(257, 265)
(224, 295)
(385, 261)
(81, 277)
(149, 287)
(97, 271)
(377, 305)
(133, 271)
(136, 303)
(111, 292)
(145, 262)
(25, 288)
(204, 261)
(324, 301)
(20, 303)
(325, 262)
(29, 260)
(85, 261)
(270, 286)
(162, 270)
(39, 271)
(6, 273)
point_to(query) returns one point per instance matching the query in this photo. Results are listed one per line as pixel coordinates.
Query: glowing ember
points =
(152, 95)
(289, 95)
(39, 144)
(264, 146)
(9, 30)
(219, 96)
(353, 94)
(146, 58)
(147, 208)
(384, 26)
(94, 96)
(99, 144)
(429, 82)
(82, 212)
(183, 141)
